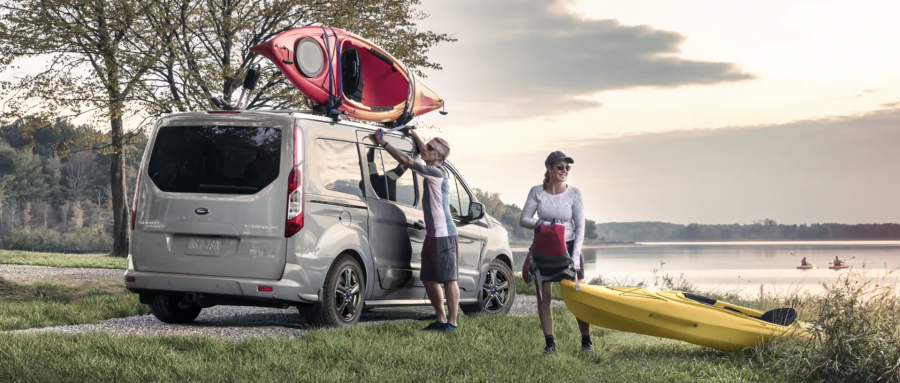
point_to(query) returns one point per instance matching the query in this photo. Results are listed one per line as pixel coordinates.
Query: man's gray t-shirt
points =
(436, 200)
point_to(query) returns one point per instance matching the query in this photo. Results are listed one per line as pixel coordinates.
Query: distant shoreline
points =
(525, 244)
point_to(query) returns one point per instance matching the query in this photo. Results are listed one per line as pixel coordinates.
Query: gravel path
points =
(26, 273)
(235, 322)
(231, 322)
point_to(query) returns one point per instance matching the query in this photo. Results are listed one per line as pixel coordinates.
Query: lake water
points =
(742, 266)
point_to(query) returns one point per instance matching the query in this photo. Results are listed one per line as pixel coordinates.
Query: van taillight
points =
(134, 205)
(295, 189)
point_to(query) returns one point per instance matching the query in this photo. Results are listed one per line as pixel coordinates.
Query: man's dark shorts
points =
(440, 259)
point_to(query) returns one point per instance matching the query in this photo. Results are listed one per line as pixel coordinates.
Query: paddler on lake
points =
(837, 262)
(803, 262)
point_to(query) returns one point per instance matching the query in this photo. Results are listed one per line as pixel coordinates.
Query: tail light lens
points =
(137, 191)
(295, 189)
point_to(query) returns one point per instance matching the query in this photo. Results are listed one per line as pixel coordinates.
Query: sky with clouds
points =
(688, 111)
(681, 111)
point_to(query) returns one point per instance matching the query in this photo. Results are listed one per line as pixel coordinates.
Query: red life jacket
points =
(548, 253)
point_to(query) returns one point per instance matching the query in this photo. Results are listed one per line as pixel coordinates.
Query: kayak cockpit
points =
(384, 87)
(781, 316)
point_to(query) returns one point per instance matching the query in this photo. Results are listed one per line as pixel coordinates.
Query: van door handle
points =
(419, 225)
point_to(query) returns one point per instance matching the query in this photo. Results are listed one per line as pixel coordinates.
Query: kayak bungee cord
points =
(410, 89)
(337, 48)
(330, 74)
(333, 101)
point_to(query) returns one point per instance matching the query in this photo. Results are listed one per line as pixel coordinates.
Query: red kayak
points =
(340, 71)
(806, 267)
(844, 266)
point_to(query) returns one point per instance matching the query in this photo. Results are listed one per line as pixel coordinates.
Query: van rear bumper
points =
(282, 290)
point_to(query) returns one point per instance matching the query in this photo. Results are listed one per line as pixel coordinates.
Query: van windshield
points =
(215, 159)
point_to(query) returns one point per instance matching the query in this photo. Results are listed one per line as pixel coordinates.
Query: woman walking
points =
(556, 199)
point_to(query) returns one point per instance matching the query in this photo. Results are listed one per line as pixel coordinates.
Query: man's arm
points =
(401, 157)
(419, 142)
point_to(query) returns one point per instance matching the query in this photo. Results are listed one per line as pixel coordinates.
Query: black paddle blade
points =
(782, 316)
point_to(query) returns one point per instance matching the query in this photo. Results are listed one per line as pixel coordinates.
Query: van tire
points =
(165, 308)
(325, 312)
(501, 271)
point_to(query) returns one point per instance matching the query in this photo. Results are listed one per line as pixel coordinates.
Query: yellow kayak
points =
(683, 316)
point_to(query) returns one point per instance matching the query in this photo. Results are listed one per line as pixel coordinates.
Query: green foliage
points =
(858, 341)
(590, 229)
(83, 240)
(59, 201)
(94, 261)
(508, 215)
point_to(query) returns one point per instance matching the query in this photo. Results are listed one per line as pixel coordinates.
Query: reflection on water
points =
(745, 265)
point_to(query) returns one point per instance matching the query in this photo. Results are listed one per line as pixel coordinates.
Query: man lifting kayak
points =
(440, 260)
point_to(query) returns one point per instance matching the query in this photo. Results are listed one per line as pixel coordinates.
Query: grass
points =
(42, 304)
(483, 349)
(61, 260)
(859, 339)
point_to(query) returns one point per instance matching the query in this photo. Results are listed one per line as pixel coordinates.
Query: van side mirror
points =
(476, 211)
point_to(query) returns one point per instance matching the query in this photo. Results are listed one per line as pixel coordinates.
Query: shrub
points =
(84, 240)
(859, 337)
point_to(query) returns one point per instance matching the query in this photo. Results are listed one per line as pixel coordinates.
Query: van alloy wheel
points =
(343, 296)
(497, 292)
(347, 295)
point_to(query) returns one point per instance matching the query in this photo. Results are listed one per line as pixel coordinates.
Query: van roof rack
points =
(286, 111)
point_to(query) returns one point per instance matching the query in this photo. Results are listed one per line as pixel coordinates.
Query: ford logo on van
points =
(201, 211)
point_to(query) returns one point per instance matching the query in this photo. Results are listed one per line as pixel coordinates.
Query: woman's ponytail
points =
(546, 179)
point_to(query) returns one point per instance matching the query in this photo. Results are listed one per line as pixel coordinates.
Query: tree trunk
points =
(118, 191)
(65, 217)
(1, 210)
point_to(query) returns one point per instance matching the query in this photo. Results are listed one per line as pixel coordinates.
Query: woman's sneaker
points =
(586, 344)
(549, 349)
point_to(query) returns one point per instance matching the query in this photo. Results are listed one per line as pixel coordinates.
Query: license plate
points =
(203, 246)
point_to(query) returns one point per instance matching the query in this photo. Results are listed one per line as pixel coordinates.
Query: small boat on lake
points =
(340, 71)
(806, 267)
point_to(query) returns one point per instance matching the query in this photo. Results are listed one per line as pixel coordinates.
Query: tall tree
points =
(79, 169)
(97, 58)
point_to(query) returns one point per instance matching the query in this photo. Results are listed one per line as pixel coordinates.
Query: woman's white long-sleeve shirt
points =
(567, 207)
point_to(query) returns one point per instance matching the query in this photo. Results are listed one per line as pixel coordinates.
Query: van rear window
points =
(215, 159)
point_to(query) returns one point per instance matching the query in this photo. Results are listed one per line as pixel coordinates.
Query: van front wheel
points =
(343, 295)
(497, 292)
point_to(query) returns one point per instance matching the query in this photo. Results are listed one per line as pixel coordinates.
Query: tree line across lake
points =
(762, 230)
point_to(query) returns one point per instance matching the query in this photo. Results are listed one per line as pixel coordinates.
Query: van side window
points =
(391, 181)
(464, 198)
(338, 165)
(455, 208)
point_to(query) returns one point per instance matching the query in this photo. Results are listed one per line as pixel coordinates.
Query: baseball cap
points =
(558, 156)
